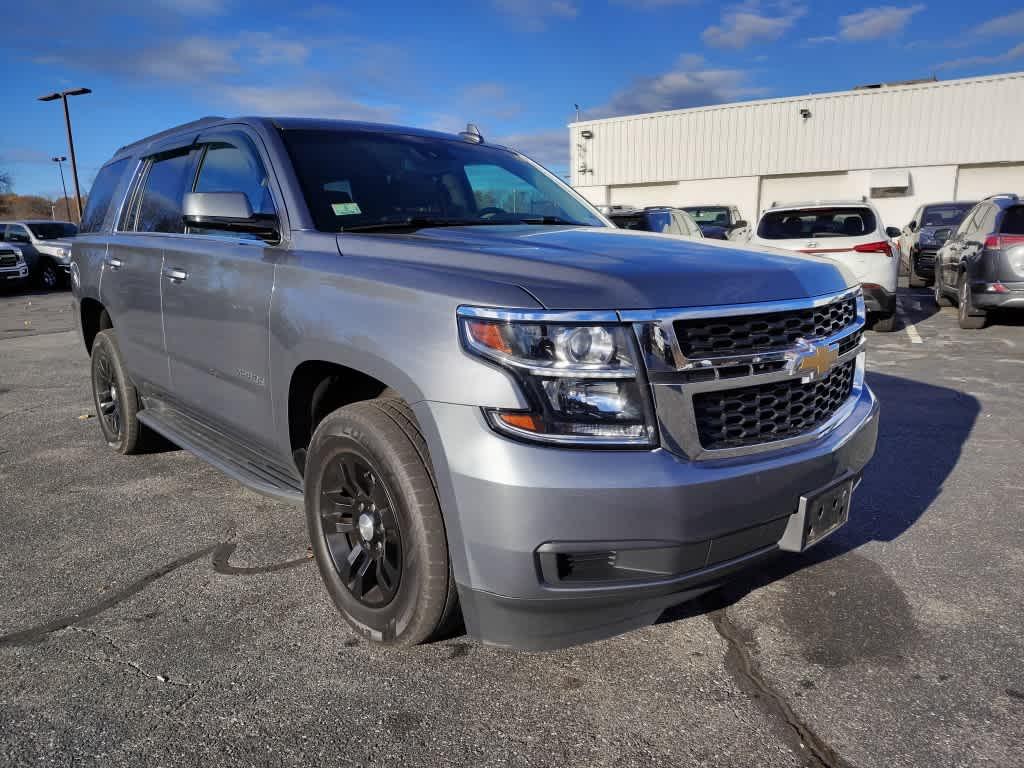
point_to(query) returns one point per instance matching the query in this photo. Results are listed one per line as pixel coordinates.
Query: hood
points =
(606, 268)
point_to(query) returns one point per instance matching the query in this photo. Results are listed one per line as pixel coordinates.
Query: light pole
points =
(63, 96)
(67, 203)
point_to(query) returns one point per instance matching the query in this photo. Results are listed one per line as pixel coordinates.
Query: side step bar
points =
(243, 465)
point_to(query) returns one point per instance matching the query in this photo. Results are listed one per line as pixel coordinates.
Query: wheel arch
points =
(94, 318)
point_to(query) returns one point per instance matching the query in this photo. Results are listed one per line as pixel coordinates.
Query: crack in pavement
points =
(747, 673)
(220, 551)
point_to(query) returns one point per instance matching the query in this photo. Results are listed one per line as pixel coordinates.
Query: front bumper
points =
(984, 297)
(8, 274)
(877, 300)
(923, 263)
(664, 529)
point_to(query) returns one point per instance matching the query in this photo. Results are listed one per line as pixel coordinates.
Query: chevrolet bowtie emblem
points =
(812, 361)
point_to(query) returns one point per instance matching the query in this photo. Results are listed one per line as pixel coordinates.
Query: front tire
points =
(375, 524)
(970, 319)
(115, 397)
(48, 277)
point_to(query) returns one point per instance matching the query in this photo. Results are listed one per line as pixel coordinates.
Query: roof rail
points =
(1011, 195)
(190, 126)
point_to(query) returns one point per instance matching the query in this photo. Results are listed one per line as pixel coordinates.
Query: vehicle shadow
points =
(922, 431)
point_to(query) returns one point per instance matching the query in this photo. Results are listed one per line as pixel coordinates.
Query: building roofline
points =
(852, 92)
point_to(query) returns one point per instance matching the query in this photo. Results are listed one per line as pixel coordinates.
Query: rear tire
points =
(115, 397)
(970, 319)
(375, 524)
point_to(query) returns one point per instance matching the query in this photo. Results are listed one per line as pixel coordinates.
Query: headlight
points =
(19, 255)
(63, 253)
(927, 238)
(581, 380)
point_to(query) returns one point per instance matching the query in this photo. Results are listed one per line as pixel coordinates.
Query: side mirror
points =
(892, 231)
(739, 224)
(229, 212)
(912, 226)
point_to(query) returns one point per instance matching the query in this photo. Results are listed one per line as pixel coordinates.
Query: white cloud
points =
(743, 25)
(303, 101)
(192, 58)
(691, 83)
(873, 23)
(1011, 24)
(535, 14)
(1014, 53)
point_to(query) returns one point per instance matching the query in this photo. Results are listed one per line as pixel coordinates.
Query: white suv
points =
(849, 232)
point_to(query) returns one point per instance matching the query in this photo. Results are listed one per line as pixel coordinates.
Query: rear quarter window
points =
(817, 223)
(101, 196)
(1013, 221)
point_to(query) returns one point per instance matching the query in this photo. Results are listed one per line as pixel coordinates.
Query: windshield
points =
(816, 222)
(715, 214)
(52, 230)
(356, 180)
(945, 215)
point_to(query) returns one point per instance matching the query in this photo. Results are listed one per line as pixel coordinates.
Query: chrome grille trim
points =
(673, 376)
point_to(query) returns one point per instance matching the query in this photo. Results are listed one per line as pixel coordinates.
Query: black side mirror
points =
(912, 226)
(228, 212)
(893, 231)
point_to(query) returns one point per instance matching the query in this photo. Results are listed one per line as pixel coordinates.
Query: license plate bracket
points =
(819, 514)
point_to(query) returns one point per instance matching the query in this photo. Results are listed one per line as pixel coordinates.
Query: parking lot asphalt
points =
(154, 612)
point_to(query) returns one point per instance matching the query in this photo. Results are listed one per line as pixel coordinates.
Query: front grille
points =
(751, 334)
(8, 261)
(732, 418)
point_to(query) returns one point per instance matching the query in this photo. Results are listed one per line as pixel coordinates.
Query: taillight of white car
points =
(882, 246)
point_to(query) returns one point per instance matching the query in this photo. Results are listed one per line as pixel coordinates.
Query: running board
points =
(243, 465)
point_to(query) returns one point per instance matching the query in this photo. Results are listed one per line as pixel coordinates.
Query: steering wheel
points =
(490, 211)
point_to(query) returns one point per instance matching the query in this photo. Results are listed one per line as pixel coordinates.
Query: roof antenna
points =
(472, 133)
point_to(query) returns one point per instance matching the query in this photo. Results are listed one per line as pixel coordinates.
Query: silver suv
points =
(487, 399)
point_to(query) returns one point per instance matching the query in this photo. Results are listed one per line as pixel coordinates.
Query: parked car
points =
(483, 394)
(924, 235)
(848, 232)
(981, 266)
(13, 269)
(664, 219)
(720, 222)
(46, 246)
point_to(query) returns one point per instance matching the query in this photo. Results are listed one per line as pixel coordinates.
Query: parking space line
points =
(915, 337)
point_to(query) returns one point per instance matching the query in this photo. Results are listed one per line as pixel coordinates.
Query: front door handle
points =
(114, 263)
(175, 275)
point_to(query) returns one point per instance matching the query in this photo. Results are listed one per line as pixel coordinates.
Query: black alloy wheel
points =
(48, 277)
(361, 529)
(108, 394)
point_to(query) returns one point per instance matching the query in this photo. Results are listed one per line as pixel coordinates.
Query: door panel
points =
(130, 290)
(216, 305)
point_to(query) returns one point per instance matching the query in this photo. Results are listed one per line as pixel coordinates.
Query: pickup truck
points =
(490, 403)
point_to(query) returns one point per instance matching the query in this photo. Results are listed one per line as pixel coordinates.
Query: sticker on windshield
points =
(345, 209)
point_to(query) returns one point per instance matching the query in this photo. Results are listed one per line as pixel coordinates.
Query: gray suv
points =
(491, 403)
(46, 246)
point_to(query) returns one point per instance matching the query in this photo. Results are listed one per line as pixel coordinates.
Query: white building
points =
(900, 146)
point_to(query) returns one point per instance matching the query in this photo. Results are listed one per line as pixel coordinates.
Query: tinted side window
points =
(162, 193)
(227, 168)
(965, 225)
(1013, 221)
(986, 222)
(102, 195)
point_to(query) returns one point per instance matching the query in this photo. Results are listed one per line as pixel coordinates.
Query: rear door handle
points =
(175, 275)
(114, 263)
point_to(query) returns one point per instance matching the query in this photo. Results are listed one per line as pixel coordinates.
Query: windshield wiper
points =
(417, 222)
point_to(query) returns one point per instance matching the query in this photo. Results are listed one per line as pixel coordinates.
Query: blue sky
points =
(515, 67)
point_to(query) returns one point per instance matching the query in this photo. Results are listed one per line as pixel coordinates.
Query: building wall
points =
(955, 139)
